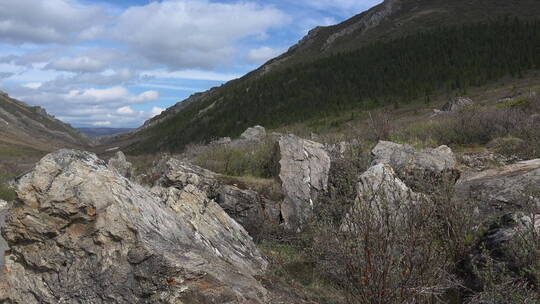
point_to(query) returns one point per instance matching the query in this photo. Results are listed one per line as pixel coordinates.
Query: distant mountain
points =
(29, 127)
(396, 52)
(94, 132)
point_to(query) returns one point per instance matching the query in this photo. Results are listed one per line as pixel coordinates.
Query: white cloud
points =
(125, 110)
(109, 95)
(191, 74)
(46, 21)
(262, 54)
(188, 33)
(343, 7)
(156, 111)
(32, 85)
(102, 123)
(77, 64)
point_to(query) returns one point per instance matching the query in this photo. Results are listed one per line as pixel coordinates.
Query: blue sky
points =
(117, 63)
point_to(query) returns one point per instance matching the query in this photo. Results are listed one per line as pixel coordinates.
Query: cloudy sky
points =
(117, 63)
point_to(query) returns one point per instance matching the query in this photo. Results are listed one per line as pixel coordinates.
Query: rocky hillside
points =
(346, 66)
(25, 125)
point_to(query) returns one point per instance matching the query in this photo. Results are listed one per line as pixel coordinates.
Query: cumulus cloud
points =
(156, 111)
(77, 64)
(125, 110)
(343, 7)
(47, 21)
(262, 54)
(188, 33)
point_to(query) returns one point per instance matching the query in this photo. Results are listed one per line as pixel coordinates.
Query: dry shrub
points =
(476, 126)
(393, 247)
(381, 126)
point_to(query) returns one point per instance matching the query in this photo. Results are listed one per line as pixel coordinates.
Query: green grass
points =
(7, 193)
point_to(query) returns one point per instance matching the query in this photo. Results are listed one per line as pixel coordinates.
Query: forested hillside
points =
(412, 68)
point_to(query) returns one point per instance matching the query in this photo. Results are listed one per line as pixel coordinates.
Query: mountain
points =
(29, 132)
(397, 52)
(94, 132)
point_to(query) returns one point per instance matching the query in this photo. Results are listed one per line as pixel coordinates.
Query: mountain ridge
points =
(388, 21)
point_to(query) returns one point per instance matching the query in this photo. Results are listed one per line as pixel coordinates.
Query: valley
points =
(391, 158)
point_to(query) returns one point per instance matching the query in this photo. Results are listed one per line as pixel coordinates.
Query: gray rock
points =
(381, 190)
(3, 245)
(242, 205)
(254, 134)
(304, 169)
(501, 190)
(120, 163)
(176, 173)
(81, 233)
(457, 104)
(406, 158)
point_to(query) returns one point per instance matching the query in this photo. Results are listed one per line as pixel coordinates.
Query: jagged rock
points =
(501, 190)
(120, 163)
(81, 233)
(175, 173)
(406, 158)
(242, 205)
(254, 134)
(457, 104)
(3, 245)
(381, 190)
(304, 168)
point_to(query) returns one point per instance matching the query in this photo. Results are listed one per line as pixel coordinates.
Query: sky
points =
(118, 63)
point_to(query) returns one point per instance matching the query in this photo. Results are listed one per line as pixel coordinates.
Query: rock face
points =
(120, 163)
(176, 173)
(457, 104)
(256, 133)
(81, 233)
(502, 189)
(3, 244)
(304, 168)
(406, 158)
(243, 205)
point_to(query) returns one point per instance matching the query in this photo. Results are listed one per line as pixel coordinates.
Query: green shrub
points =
(7, 193)
(238, 160)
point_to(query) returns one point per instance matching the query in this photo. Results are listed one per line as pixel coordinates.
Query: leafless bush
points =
(381, 126)
(391, 247)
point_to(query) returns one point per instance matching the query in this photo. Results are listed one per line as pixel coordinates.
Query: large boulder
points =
(172, 172)
(120, 163)
(81, 233)
(457, 104)
(304, 168)
(501, 190)
(245, 206)
(254, 134)
(407, 161)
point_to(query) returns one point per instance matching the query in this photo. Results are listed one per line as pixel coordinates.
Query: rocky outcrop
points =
(405, 159)
(501, 190)
(3, 245)
(120, 163)
(172, 172)
(254, 134)
(457, 104)
(245, 206)
(81, 233)
(304, 168)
